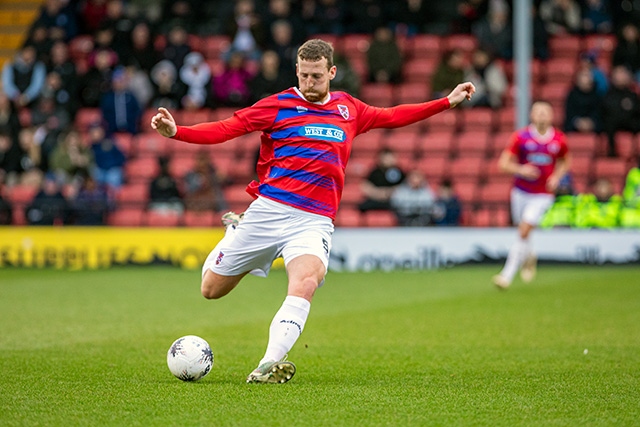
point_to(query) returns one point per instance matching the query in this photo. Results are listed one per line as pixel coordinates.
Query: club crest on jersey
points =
(219, 258)
(344, 111)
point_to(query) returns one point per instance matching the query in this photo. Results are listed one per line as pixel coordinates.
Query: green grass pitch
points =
(440, 348)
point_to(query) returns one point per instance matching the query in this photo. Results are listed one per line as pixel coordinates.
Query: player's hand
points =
(528, 171)
(552, 183)
(164, 123)
(460, 93)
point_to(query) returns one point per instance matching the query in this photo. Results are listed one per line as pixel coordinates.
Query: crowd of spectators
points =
(139, 55)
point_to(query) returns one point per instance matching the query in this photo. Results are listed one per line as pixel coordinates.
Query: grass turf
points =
(379, 349)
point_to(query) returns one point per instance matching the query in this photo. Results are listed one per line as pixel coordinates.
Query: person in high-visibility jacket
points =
(600, 209)
(562, 212)
(630, 214)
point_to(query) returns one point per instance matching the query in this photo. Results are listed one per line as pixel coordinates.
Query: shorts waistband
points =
(282, 208)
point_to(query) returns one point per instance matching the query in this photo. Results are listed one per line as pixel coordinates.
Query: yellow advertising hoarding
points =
(102, 247)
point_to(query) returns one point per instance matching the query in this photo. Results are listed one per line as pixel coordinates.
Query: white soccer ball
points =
(190, 358)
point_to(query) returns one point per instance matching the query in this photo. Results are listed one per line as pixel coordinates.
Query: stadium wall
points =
(357, 249)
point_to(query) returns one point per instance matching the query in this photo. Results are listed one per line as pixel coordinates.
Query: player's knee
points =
(305, 288)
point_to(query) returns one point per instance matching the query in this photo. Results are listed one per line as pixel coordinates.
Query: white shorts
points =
(270, 230)
(529, 207)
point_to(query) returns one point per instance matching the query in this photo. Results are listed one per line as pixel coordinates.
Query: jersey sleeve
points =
(564, 147)
(401, 115)
(513, 146)
(259, 116)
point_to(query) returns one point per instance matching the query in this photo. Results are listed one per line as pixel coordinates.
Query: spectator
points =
(177, 47)
(97, 81)
(283, 45)
(54, 14)
(494, 31)
(627, 52)
(582, 105)
(381, 182)
(60, 63)
(409, 16)
(38, 37)
(22, 79)
(70, 161)
(163, 191)
(346, 78)
(413, 201)
(449, 72)
(562, 212)
(231, 88)
(9, 160)
(247, 31)
(620, 107)
(9, 121)
(91, 205)
(91, 14)
(203, 187)
(121, 26)
(140, 51)
(109, 159)
(365, 16)
(630, 214)
(600, 209)
(588, 61)
(168, 90)
(489, 79)
(195, 74)
(283, 10)
(269, 79)
(6, 213)
(384, 59)
(596, 17)
(49, 206)
(447, 209)
(560, 16)
(441, 17)
(324, 16)
(119, 106)
(31, 165)
(63, 99)
(540, 36)
(469, 12)
(50, 121)
(188, 13)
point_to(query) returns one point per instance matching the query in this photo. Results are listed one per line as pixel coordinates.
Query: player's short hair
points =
(316, 49)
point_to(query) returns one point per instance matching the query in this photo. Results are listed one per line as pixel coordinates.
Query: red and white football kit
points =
(530, 198)
(305, 146)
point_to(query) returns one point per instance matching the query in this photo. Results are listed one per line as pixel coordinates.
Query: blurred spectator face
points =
(104, 37)
(39, 34)
(383, 34)
(236, 61)
(50, 186)
(4, 102)
(28, 55)
(244, 7)
(59, 53)
(5, 143)
(456, 60)
(541, 114)
(270, 62)
(584, 81)
(178, 36)
(630, 33)
(72, 140)
(387, 159)
(54, 81)
(281, 32)
(621, 77)
(96, 133)
(415, 180)
(53, 6)
(103, 60)
(603, 190)
(114, 9)
(280, 7)
(480, 59)
(25, 139)
(140, 35)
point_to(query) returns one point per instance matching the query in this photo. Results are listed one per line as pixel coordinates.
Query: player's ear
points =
(332, 72)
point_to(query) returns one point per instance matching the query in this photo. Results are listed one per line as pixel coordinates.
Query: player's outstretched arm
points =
(164, 123)
(460, 93)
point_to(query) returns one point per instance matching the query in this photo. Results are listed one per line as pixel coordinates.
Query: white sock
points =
(517, 254)
(286, 327)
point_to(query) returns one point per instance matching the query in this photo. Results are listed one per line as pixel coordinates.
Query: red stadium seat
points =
(555, 93)
(162, 219)
(582, 142)
(403, 141)
(380, 219)
(494, 216)
(419, 70)
(447, 121)
(370, 142)
(467, 168)
(467, 192)
(560, 70)
(237, 195)
(141, 170)
(213, 46)
(472, 142)
(87, 116)
(425, 46)
(352, 193)
(347, 217)
(21, 194)
(434, 167)
(378, 94)
(133, 195)
(435, 142)
(465, 42)
(80, 47)
(412, 93)
(506, 120)
(601, 44)
(126, 217)
(613, 169)
(359, 166)
(495, 192)
(498, 142)
(494, 174)
(200, 219)
(190, 118)
(565, 46)
(581, 167)
(626, 145)
(124, 141)
(476, 119)
(354, 45)
(152, 144)
(179, 166)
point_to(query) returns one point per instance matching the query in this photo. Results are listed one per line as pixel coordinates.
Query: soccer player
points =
(538, 158)
(306, 138)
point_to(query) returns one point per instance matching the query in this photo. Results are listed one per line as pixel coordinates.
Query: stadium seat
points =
(467, 192)
(419, 70)
(87, 116)
(565, 46)
(579, 142)
(434, 166)
(403, 141)
(329, 38)
(213, 46)
(190, 118)
(412, 93)
(560, 70)
(151, 144)
(467, 168)
(465, 42)
(200, 219)
(613, 169)
(472, 142)
(162, 219)
(494, 174)
(626, 145)
(602, 45)
(237, 195)
(348, 217)
(424, 46)
(354, 45)
(506, 120)
(141, 170)
(240, 170)
(370, 142)
(493, 216)
(179, 166)
(352, 194)
(377, 94)
(447, 121)
(555, 93)
(581, 167)
(80, 47)
(498, 142)
(359, 166)
(124, 141)
(133, 195)
(476, 119)
(495, 192)
(435, 142)
(21, 194)
(380, 219)
(222, 113)
(126, 217)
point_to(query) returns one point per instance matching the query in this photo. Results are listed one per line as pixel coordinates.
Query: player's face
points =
(541, 115)
(314, 78)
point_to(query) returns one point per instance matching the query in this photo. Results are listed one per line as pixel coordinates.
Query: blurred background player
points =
(306, 140)
(537, 156)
